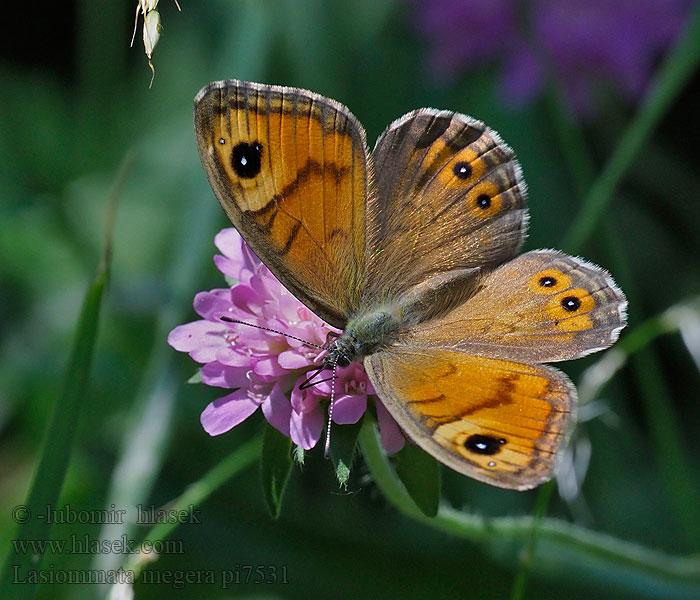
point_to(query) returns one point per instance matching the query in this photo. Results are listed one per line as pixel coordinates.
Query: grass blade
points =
(58, 441)
(675, 73)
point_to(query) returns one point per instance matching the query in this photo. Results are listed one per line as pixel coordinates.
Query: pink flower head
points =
(264, 366)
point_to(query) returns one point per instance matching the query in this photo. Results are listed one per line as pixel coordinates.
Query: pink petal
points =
(201, 339)
(305, 427)
(262, 284)
(228, 267)
(288, 306)
(228, 411)
(238, 261)
(349, 409)
(303, 401)
(233, 357)
(218, 375)
(247, 300)
(267, 367)
(310, 332)
(212, 304)
(291, 359)
(323, 388)
(278, 410)
(389, 431)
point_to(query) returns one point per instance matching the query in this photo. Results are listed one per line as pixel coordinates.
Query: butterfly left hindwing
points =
(497, 421)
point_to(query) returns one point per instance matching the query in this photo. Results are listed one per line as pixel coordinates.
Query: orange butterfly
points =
(410, 250)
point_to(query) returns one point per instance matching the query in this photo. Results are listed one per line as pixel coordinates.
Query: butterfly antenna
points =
(327, 447)
(298, 339)
(307, 383)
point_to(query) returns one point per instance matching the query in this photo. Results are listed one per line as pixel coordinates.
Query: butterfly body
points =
(411, 249)
(364, 335)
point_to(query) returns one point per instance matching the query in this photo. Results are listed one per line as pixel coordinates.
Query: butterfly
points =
(412, 250)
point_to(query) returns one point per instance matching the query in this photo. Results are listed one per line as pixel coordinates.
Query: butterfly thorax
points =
(364, 334)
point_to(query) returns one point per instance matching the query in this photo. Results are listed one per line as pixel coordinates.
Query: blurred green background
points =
(75, 101)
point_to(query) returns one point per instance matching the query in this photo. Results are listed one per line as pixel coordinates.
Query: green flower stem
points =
(560, 545)
(60, 436)
(527, 556)
(244, 456)
(674, 74)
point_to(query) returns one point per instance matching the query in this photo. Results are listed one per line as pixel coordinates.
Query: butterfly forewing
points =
(291, 169)
(449, 195)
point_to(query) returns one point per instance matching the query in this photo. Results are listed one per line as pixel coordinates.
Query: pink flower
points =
(264, 366)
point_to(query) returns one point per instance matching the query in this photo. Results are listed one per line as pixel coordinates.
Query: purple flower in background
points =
(584, 44)
(265, 368)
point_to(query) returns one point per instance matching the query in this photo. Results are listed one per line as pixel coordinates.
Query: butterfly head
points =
(341, 353)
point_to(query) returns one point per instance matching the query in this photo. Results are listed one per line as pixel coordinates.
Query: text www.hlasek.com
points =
(86, 545)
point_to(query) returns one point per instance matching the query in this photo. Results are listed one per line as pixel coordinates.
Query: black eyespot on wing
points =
(246, 159)
(484, 444)
(222, 141)
(548, 281)
(462, 170)
(483, 201)
(571, 303)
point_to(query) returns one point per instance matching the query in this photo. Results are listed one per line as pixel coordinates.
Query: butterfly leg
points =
(308, 382)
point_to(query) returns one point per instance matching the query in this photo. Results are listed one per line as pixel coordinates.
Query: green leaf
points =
(299, 455)
(343, 444)
(276, 466)
(60, 436)
(420, 473)
(196, 378)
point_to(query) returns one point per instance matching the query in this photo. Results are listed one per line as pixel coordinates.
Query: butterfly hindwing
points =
(542, 306)
(291, 169)
(500, 422)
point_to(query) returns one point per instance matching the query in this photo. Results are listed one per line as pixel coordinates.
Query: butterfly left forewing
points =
(292, 170)
(449, 195)
(500, 422)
